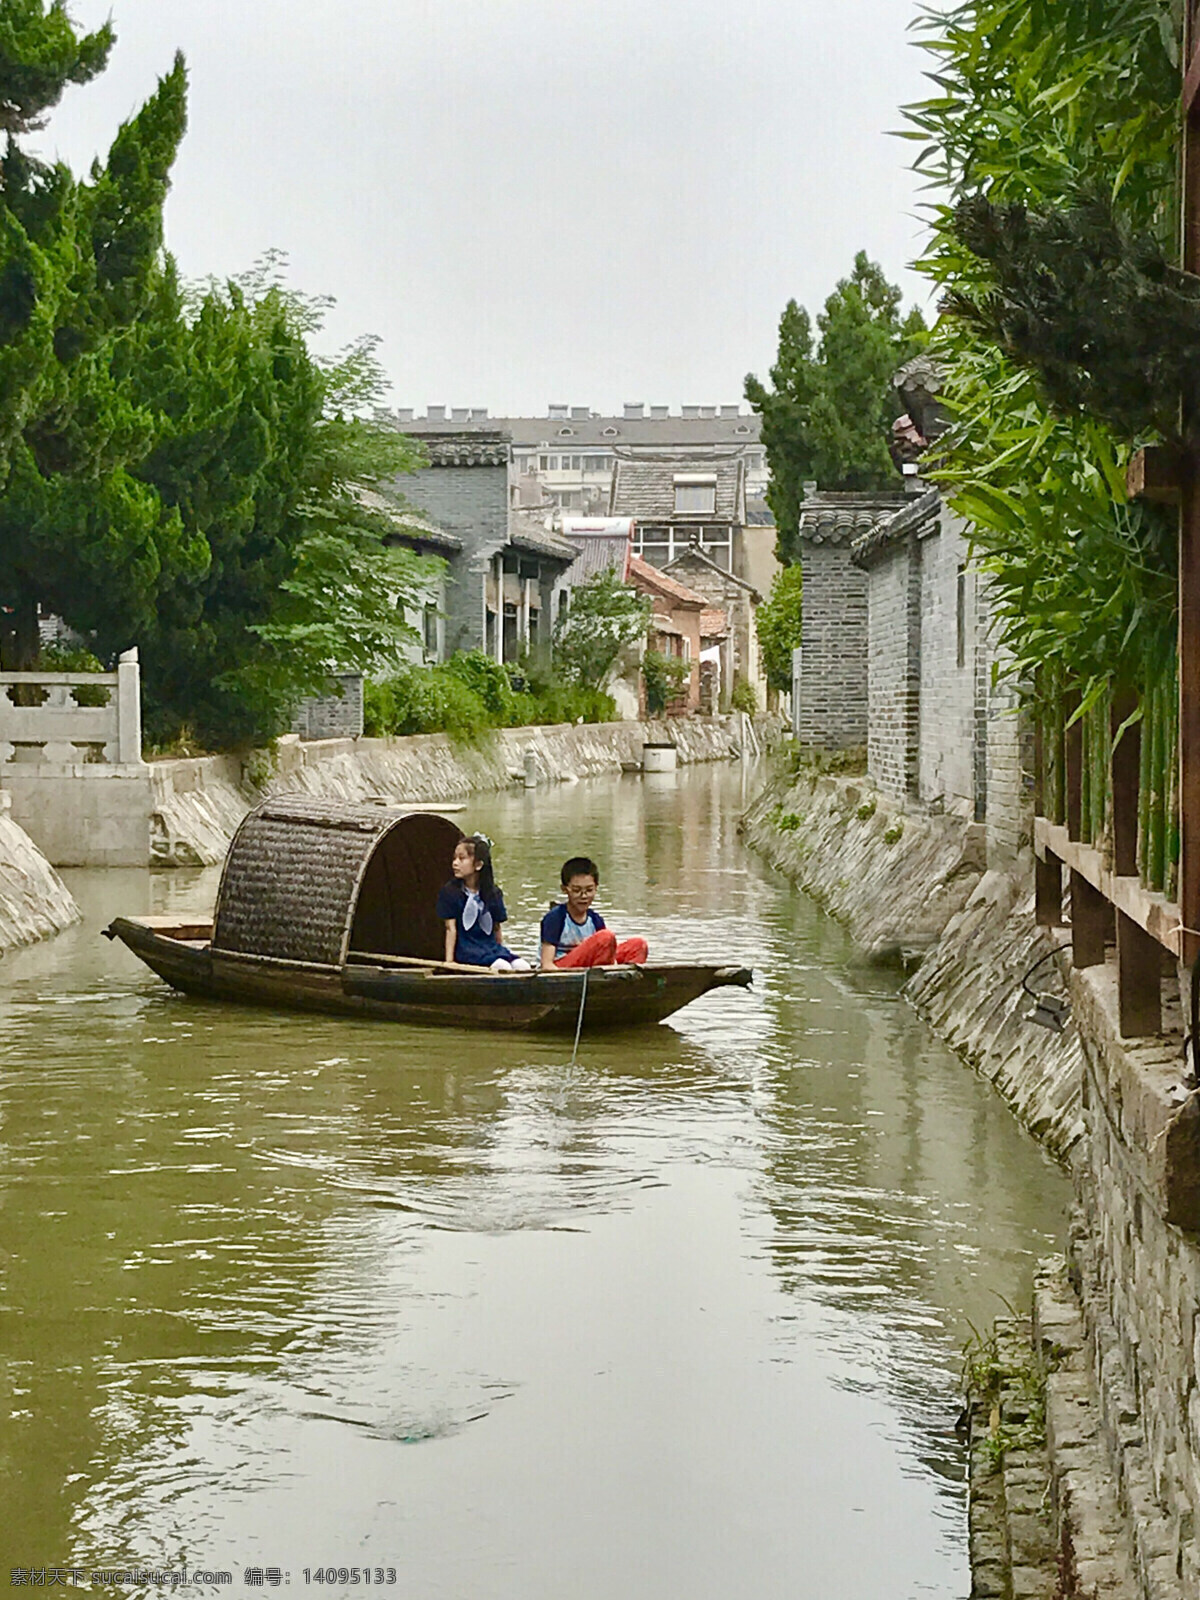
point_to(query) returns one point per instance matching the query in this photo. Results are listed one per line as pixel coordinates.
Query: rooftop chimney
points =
(659, 412)
(580, 413)
(708, 411)
(405, 414)
(435, 413)
(634, 409)
(690, 411)
(478, 413)
(557, 412)
(731, 411)
(460, 414)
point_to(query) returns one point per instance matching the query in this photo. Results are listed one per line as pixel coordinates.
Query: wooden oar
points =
(437, 966)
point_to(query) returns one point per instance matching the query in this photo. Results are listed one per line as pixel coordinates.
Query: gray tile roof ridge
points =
(920, 511)
(695, 553)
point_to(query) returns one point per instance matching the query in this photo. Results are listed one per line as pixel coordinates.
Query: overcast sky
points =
(533, 200)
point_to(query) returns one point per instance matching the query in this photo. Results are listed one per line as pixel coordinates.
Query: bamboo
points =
(1157, 796)
(1146, 754)
(1171, 883)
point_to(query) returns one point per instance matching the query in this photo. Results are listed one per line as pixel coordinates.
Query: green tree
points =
(1052, 136)
(827, 414)
(604, 616)
(78, 267)
(778, 620)
(264, 452)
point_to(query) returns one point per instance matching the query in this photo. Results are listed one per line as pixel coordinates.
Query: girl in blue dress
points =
(472, 908)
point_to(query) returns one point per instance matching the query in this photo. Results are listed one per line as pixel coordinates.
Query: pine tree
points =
(78, 268)
(826, 418)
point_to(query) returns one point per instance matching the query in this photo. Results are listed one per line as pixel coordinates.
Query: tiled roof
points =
(410, 523)
(713, 624)
(600, 552)
(653, 581)
(467, 448)
(921, 512)
(644, 486)
(526, 532)
(658, 433)
(830, 518)
(694, 555)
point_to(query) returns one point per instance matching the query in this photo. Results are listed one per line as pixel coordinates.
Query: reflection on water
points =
(682, 1319)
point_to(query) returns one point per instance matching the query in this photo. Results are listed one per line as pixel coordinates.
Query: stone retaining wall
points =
(33, 899)
(1122, 1317)
(915, 887)
(198, 803)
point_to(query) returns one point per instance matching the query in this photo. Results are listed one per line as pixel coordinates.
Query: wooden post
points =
(1139, 980)
(1074, 783)
(1126, 773)
(1189, 530)
(1091, 923)
(1047, 880)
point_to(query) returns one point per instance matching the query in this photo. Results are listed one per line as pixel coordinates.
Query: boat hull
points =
(616, 997)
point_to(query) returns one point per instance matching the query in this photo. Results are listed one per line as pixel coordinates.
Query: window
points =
(430, 631)
(611, 433)
(695, 494)
(566, 433)
(961, 616)
(595, 463)
(544, 463)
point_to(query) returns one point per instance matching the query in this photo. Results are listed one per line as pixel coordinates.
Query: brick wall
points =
(333, 716)
(950, 735)
(833, 670)
(893, 576)
(472, 503)
(1009, 766)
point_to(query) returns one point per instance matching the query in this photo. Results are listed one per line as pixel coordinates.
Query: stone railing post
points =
(129, 709)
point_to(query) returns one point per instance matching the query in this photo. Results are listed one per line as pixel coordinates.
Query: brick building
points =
(500, 593)
(831, 711)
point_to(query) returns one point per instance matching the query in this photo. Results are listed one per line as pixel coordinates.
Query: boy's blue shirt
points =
(555, 920)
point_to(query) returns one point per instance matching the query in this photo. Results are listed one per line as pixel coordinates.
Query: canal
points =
(682, 1319)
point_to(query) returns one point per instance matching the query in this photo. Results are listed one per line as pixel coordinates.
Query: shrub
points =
(664, 677)
(744, 697)
(866, 811)
(469, 694)
(74, 658)
(895, 833)
(490, 681)
(424, 700)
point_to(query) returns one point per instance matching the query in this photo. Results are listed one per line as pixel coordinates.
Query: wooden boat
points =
(331, 908)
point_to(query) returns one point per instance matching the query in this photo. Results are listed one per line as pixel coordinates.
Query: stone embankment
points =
(197, 804)
(1108, 1438)
(33, 899)
(916, 888)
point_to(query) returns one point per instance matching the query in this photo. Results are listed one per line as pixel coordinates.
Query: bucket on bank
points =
(659, 757)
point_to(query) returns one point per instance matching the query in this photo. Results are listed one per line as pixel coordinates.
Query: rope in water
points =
(579, 1019)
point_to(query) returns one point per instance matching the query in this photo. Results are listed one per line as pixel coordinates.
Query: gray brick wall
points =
(832, 713)
(333, 716)
(1009, 767)
(471, 502)
(950, 735)
(893, 666)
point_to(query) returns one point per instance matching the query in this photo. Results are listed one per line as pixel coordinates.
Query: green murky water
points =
(291, 1293)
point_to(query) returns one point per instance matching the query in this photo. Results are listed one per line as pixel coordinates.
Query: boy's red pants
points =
(602, 950)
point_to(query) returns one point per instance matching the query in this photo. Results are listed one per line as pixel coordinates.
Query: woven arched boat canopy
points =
(307, 880)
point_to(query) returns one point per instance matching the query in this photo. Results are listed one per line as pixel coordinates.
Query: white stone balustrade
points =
(62, 732)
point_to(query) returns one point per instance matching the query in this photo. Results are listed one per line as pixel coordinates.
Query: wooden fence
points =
(1107, 801)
